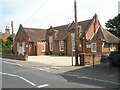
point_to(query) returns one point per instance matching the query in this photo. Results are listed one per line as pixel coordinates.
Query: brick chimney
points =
(7, 29)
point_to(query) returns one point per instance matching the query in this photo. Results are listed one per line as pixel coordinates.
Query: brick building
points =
(6, 34)
(30, 41)
(61, 39)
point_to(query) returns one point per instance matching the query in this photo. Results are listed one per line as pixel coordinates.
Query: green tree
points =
(8, 43)
(113, 25)
(10, 38)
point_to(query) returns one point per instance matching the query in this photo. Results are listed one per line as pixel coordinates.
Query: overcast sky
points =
(44, 13)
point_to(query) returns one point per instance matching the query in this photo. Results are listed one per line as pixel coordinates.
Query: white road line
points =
(9, 74)
(44, 85)
(5, 62)
(13, 63)
(27, 81)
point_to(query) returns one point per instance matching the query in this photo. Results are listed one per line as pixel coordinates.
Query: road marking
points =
(44, 85)
(13, 63)
(9, 74)
(5, 62)
(27, 81)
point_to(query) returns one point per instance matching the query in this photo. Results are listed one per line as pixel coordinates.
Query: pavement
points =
(53, 60)
(62, 65)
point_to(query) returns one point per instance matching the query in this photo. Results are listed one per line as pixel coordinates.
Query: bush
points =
(114, 58)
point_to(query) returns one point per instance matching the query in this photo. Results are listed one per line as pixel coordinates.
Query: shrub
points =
(114, 58)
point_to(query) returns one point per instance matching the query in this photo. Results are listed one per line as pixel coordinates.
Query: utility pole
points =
(76, 34)
(12, 27)
(12, 35)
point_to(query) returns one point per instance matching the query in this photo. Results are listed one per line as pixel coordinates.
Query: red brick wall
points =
(39, 48)
(20, 37)
(92, 29)
(88, 58)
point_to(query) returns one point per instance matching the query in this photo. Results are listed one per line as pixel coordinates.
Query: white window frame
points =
(51, 43)
(18, 47)
(43, 47)
(92, 48)
(61, 45)
(73, 41)
(88, 46)
(111, 47)
(23, 46)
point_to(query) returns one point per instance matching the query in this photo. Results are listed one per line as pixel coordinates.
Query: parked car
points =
(104, 57)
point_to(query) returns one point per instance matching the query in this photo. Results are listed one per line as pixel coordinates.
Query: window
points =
(43, 47)
(51, 43)
(61, 45)
(56, 33)
(88, 46)
(23, 46)
(93, 47)
(73, 41)
(18, 44)
(111, 47)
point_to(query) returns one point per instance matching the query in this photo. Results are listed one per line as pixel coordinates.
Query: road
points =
(18, 76)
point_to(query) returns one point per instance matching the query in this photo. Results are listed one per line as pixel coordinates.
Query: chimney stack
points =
(7, 29)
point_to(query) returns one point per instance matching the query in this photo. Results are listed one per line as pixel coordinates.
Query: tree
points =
(10, 38)
(113, 25)
(8, 43)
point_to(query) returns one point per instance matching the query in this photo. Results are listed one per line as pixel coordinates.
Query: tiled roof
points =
(105, 36)
(64, 29)
(35, 34)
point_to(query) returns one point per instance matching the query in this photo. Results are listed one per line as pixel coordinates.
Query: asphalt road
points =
(18, 76)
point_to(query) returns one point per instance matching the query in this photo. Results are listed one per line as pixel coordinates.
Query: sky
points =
(46, 13)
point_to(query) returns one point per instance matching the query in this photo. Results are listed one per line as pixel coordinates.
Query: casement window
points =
(93, 47)
(73, 41)
(51, 43)
(43, 47)
(88, 46)
(56, 33)
(23, 46)
(61, 45)
(111, 47)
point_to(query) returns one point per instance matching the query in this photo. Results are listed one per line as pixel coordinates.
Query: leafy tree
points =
(8, 43)
(10, 38)
(113, 25)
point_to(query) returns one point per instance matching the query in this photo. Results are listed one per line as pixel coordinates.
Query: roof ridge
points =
(34, 28)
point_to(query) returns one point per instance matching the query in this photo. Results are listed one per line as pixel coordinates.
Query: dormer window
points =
(56, 33)
(80, 34)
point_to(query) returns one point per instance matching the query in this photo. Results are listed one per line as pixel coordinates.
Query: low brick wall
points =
(91, 58)
(13, 56)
